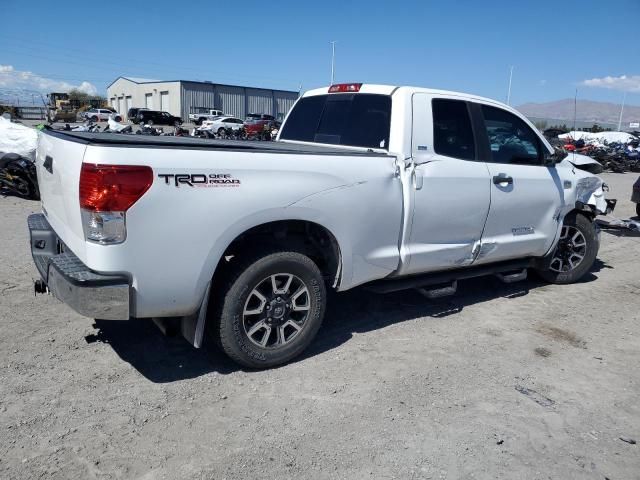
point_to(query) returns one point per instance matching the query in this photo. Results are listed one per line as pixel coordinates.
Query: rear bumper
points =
(89, 293)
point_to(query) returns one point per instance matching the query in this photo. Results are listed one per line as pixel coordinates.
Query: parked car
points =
(101, 115)
(132, 113)
(261, 125)
(151, 117)
(220, 124)
(202, 114)
(392, 187)
(259, 116)
(259, 128)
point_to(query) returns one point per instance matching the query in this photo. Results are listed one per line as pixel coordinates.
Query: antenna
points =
(509, 90)
(624, 98)
(333, 59)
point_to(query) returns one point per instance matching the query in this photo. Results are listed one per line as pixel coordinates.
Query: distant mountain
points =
(586, 111)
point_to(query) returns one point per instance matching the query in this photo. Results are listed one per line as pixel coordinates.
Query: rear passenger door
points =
(449, 190)
(526, 195)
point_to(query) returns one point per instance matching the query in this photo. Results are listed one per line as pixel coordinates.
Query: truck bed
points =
(152, 141)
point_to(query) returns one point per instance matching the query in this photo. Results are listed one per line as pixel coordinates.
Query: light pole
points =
(333, 59)
(624, 98)
(509, 90)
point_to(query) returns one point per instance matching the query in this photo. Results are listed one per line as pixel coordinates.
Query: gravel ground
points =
(521, 381)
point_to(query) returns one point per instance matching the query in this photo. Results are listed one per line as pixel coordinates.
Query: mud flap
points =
(192, 326)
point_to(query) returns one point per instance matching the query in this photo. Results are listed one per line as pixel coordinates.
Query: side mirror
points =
(557, 156)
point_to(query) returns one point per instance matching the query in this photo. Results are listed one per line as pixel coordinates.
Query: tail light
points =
(345, 87)
(106, 193)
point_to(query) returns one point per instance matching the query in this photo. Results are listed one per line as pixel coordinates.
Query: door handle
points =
(502, 178)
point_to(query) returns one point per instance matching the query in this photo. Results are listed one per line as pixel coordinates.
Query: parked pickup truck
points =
(392, 187)
(204, 114)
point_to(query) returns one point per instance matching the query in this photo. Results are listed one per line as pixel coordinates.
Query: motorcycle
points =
(149, 130)
(18, 176)
(115, 127)
(88, 126)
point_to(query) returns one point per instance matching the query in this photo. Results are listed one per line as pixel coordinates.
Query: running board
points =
(512, 277)
(440, 290)
(449, 276)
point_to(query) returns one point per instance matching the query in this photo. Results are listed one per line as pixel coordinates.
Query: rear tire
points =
(575, 253)
(149, 122)
(270, 309)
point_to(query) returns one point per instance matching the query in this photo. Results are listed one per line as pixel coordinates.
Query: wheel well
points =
(302, 236)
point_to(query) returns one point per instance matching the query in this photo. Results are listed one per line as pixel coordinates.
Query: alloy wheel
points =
(570, 251)
(276, 310)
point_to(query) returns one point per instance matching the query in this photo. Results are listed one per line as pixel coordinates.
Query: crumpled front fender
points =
(590, 193)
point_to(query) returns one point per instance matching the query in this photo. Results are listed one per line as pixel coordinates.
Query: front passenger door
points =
(526, 195)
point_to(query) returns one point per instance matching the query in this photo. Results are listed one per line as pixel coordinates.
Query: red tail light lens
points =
(345, 87)
(112, 188)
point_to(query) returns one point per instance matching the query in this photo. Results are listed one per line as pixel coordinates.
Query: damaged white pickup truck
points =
(393, 187)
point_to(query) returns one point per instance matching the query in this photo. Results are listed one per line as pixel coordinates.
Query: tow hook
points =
(40, 287)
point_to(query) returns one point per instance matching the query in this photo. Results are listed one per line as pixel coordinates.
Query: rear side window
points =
(511, 139)
(452, 132)
(357, 120)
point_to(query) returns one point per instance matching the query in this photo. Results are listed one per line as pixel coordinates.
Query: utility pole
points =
(624, 98)
(333, 59)
(575, 109)
(509, 90)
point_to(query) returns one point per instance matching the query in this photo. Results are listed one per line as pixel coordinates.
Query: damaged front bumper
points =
(590, 196)
(91, 294)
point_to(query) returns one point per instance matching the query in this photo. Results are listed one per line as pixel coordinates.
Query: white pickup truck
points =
(393, 187)
(201, 116)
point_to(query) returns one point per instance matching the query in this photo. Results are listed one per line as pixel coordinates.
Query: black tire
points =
(237, 294)
(565, 251)
(24, 188)
(149, 122)
(637, 209)
(94, 118)
(221, 132)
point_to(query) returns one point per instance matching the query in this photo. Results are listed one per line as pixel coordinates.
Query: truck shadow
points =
(159, 358)
(162, 359)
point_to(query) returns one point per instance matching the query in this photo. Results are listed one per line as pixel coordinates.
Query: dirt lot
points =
(527, 381)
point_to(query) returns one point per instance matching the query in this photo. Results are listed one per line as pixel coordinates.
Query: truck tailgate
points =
(58, 162)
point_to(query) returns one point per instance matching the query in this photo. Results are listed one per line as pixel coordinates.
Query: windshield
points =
(357, 120)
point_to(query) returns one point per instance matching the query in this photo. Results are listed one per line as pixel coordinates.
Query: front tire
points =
(575, 252)
(271, 309)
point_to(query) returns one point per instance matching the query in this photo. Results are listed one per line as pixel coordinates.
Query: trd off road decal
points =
(200, 179)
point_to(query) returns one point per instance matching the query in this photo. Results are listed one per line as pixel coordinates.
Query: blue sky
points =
(554, 46)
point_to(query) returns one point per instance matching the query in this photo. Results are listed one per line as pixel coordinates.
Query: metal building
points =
(182, 97)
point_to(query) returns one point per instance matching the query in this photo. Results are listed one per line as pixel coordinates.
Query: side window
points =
(452, 132)
(511, 139)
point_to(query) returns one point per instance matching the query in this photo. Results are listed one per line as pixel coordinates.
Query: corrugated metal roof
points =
(141, 80)
(144, 80)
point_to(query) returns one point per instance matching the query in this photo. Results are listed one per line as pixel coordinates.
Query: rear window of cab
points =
(356, 120)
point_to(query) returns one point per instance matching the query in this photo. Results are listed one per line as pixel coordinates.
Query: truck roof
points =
(406, 89)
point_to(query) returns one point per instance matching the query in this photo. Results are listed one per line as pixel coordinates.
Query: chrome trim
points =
(106, 302)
